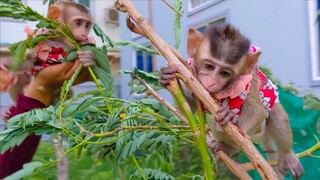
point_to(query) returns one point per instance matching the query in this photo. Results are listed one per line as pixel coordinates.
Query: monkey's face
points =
(213, 73)
(79, 23)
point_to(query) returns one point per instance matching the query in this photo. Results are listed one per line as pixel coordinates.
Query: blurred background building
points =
(286, 31)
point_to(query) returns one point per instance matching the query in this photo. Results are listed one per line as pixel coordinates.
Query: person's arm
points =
(43, 86)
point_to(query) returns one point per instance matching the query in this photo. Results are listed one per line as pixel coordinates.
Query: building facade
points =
(287, 35)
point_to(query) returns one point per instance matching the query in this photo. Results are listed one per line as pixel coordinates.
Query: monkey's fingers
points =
(235, 119)
(85, 55)
(297, 172)
(283, 172)
(88, 62)
(165, 79)
(226, 115)
(169, 70)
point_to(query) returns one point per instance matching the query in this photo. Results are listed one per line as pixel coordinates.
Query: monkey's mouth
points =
(83, 42)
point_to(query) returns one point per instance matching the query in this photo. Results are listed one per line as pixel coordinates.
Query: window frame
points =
(199, 22)
(314, 42)
(201, 7)
(145, 59)
(89, 3)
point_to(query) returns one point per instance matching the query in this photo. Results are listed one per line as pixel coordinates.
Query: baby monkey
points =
(51, 51)
(226, 65)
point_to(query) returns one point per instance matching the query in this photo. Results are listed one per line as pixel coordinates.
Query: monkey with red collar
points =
(51, 51)
(226, 65)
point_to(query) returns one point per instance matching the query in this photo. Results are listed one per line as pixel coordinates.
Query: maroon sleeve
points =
(25, 104)
(12, 161)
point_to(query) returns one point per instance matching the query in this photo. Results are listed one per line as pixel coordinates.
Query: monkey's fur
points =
(221, 57)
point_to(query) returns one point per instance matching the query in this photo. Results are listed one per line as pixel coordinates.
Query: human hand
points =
(7, 78)
(7, 113)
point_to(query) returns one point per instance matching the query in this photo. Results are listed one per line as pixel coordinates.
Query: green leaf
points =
(102, 59)
(136, 46)
(310, 101)
(22, 137)
(102, 35)
(25, 171)
(177, 23)
(105, 78)
(45, 130)
(71, 56)
(126, 150)
(150, 78)
(69, 110)
(36, 40)
(153, 174)
(19, 54)
(43, 24)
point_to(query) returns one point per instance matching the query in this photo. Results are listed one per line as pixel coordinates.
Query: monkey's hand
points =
(290, 162)
(215, 146)
(87, 58)
(167, 74)
(226, 115)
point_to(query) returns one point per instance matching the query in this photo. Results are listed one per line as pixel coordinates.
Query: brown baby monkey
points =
(226, 65)
(51, 51)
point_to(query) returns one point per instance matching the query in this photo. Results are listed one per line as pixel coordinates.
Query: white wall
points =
(281, 29)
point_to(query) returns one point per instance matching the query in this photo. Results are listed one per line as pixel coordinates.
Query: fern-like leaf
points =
(177, 23)
(153, 174)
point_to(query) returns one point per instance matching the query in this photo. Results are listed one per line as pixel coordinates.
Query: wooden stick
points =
(238, 135)
(234, 167)
(306, 153)
(160, 99)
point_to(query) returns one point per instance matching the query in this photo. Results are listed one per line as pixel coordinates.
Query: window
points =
(196, 3)
(196, 6)
(144, 61)
(314, 7)
(202, 27)
(85, 2)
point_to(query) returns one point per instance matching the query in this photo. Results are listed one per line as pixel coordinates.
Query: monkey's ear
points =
(54, 12)
(251, 62)
(194, 41)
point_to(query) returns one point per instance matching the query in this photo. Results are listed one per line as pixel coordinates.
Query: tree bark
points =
(62, 165)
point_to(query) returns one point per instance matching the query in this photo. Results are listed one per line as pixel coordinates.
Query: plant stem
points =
(138, 167)
(201, 143)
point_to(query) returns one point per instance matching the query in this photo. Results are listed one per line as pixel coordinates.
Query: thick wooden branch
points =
(239, 136)
(234, 167)
(306, 153)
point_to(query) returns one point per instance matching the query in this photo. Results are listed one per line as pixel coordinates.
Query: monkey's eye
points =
(78, 22)
(209, 67)
(225, 74)
(88, 25)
